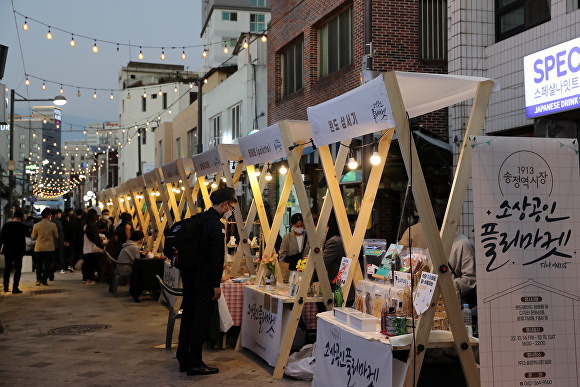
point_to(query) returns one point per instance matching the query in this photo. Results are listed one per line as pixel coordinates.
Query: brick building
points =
(315, 53)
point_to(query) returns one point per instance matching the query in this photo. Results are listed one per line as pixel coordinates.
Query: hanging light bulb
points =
(175, 89)
(147, 123)
(84, 131)
(283, 170)
(117, 47)
(245, 45)
(226, 50)
(128, 95)
(214, 185)
(72, 41)
(112, 96)
(95, 48)
(224, 179)
(169, 111)
(140, 56)
(95, 94)
(97, 132)
(264, 38)
(27, 82)
(144, 93)
(204, 53)
(48, 34)
(352, 163)
(43, 87)
(78, 92)
(158, 118)
(61, 90)
(268, 176)
(183, 56)
(160, 93)
(205, 80)
(25, 25)
(163, 57)
(191, 85)
(375, 158)
(206, 182)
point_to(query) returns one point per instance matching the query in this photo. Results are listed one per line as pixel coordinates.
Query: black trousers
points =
(198, 308)
(90, 263)
(13, 261)
(44, 261)
(66, 259)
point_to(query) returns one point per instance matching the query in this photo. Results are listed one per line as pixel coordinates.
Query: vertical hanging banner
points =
(527, 234)
(360, 111)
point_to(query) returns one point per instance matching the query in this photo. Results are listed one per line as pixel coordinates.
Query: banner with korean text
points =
(360, 111)
(264, 146)
(527, 235)
(207, 162)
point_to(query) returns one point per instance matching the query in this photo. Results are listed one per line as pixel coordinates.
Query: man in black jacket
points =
(13, 246)
(201, 286)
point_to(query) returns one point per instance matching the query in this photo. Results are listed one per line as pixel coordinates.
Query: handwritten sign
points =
(262, 324)
(526, 209)
(360, 111)
(344, 268)
(264, 146)
(346, 359)
(170, 172)
(424, 293)
(172, 277)
(401, 280)
(208, 162)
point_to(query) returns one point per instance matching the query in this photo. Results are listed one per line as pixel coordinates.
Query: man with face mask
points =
(201, 285)
(105, 225)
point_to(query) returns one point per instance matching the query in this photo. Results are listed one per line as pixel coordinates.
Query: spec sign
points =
(552, 79)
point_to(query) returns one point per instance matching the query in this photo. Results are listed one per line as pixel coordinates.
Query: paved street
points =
(123, 354)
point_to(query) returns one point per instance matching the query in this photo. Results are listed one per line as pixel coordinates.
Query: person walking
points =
(67, 256)
(201, 284)
(45, 232)
(13, 246)
(58, 243)
(92, 247)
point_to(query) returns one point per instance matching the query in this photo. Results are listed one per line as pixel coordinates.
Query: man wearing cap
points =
(201, 286)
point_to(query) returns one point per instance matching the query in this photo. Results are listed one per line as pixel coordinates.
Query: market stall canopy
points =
(367, 109)
(267, 145)
(210, 161)
(171, 170)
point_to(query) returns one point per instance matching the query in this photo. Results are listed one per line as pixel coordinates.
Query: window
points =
(35, 146)
(335, 44)
(515, 16)
(178, 148)
(235, 121)
(215, 125)
(192, 97)
(291, 60)
(144, 136)
(231, 16)
(164, 103)
(257, 22)
(153, 95)
(22, 155)
(230, 42)
(160, 152)
(192, 141)
(258, 3)
(22, 145)
(143, 104)
(23, 137)
(433, 29)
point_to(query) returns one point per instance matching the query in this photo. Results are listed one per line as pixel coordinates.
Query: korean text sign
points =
(527, 237)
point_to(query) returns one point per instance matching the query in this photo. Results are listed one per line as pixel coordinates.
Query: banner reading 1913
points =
(527, 233)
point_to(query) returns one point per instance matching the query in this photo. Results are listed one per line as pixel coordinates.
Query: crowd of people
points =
(61, 241)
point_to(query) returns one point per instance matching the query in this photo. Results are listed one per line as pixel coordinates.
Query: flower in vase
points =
(270, 262)
(301, 264)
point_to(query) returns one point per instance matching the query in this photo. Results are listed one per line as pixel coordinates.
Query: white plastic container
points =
(342, 315)
(363, 322)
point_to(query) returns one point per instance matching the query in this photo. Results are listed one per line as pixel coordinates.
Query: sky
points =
(170, 23)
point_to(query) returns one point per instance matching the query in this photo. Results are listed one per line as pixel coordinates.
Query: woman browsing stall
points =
(295, 244)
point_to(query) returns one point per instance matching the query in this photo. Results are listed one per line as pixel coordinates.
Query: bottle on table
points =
(466, 313)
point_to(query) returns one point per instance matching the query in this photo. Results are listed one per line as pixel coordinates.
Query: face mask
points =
(227, 214)
(106, 217)
(298, 230)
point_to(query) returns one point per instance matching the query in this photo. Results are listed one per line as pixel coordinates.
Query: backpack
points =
(180, 241)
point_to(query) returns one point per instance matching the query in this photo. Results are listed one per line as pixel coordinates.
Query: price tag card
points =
(344, 267)
(402, 280)
(424, 294)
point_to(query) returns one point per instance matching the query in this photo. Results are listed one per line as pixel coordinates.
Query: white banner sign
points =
(207, 163)
(551, 79)
(424, 293)
(262, 324)
(264, 146)
(170, 172)
(527, 234)
(361, 111)
(349, 360)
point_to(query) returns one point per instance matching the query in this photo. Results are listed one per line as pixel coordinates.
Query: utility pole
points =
(199, 116)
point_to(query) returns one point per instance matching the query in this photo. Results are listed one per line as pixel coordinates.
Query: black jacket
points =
(211, 248)
(92, 231)
(13, 237)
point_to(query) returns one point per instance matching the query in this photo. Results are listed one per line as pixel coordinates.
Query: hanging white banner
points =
(262, 324)
(527, 234)
(264, 146)
(361, 111)
(207, 162)
(170, 172)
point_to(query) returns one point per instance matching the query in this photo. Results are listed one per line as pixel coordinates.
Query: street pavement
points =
(123, 354)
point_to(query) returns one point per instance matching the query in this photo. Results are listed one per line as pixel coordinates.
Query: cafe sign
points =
(552, 79)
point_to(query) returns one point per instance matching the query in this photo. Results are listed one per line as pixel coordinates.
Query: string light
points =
(140, 56)
(128, 95)
(112, 96)
(72, 41)
(205, 80)
(283, 170)
(352, 163)
(204, 53)
(144, 93)
(25, 25)
(163, 57)
(375, 158)
(226, 50)
(264, 38)
(95, 48)
(78, 92)
(160, 93)
(95, 95)
(61, 90)
(27, 82)
(183, 56)
(48, 34)
(43, 87)
(175, 89)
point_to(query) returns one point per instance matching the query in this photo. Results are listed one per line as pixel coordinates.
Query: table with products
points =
(143, 275)
(265, 315)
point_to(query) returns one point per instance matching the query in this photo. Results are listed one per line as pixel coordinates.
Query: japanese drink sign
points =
(264, 146)
(527, 235)
(363, 110)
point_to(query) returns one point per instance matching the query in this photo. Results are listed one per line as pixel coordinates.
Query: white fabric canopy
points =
(423, 93)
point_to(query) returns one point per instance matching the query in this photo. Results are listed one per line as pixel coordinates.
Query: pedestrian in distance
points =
(201, 283)
(92, 247)
(44, 232)
(13, 246)
(58, 242)
(67, 256)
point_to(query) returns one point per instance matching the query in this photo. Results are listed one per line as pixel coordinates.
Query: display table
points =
(233, 293)
(264, 319)
(143, 275)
